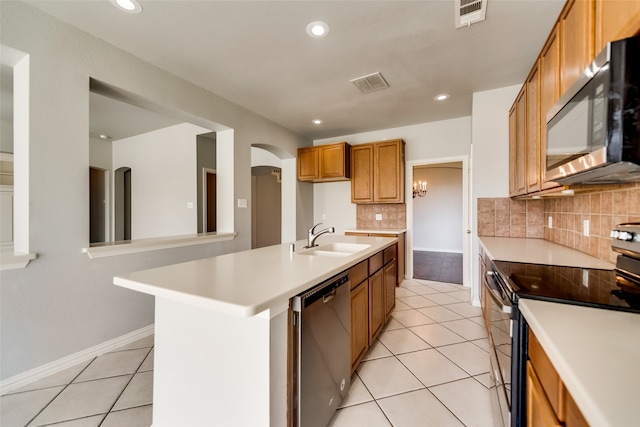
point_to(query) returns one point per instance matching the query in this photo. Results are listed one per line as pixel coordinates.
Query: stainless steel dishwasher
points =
(321, 351)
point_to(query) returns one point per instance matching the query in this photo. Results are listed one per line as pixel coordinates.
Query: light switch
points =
(242, 203)
(550, 222)
(585, 228)
(189, 205)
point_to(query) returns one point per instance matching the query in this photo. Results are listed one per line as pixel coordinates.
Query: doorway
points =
(98, 205)
(266, 197)
(122, 204)
(209, 214)
(438, 222)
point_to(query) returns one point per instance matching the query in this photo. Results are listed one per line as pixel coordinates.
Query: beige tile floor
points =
(429, 367)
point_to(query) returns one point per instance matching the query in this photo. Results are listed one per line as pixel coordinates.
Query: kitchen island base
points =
(216, 369)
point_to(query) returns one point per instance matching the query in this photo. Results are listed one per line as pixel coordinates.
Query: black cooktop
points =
(571, 285)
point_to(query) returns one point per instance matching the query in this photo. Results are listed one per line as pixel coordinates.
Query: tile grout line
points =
(125, 387)
(60, 392)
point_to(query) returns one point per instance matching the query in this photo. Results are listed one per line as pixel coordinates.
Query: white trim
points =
(448, 251)
(10, 260)
(56, 366)
(466, 212)
(154, 244)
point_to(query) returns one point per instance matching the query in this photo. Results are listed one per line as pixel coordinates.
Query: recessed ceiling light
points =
(130, 6)
(441, 97)
(317, 29)
(103, 136)
(317, 122)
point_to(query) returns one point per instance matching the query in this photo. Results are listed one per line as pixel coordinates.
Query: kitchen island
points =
(221, 327)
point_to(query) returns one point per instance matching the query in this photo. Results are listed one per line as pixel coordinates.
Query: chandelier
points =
(419, 189)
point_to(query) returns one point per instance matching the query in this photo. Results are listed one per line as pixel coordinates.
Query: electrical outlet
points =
(585, 228)
(550, 222)
(324, 217)
(189, 205)
(378, 217)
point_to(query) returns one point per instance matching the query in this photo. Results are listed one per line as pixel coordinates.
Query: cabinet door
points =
(521, 128)
(532, 140)
(539, 411)
(335, 161)
(389, 172)
(308, 164)
(513, 127)
(359, 323)
(577, 40)
(376, 304)
(362, 173)
(390, 273)
(615, 20)
(549, 90)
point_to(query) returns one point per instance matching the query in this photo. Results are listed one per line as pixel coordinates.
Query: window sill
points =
(109, 249)
(10, 260)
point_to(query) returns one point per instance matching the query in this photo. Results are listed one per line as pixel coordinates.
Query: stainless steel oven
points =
(507, 332)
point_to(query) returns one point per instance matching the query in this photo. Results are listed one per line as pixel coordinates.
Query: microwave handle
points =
(502, 304)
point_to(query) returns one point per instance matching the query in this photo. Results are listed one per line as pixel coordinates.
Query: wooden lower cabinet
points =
(373, 298)
(548, 400)
(359, 323)
(389, 288)
(539, 410)
(376, 305)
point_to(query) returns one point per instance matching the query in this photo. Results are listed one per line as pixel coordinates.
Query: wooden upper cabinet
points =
(388, 172)
(521, 127)
(549, 68)
(362, 173)
(615, 20)
(308, 164)
(533, 165)
(517, 147)
(513, 150)
(322, 163)
(577, 40)
(378, 172)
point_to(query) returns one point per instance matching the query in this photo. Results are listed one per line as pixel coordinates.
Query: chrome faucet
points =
(311, 240)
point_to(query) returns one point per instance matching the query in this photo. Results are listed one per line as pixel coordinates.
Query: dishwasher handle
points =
(328, 297)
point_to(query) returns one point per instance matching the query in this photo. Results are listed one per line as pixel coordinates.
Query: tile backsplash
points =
(530, 218)
(393, 216)
(504, 217)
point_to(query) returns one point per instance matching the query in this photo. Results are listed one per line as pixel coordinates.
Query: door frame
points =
(466, 213)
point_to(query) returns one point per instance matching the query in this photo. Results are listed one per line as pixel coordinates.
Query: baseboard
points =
(449, 251)
(56, 366)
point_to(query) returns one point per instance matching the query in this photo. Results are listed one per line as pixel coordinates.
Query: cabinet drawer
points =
(376, 262)
(358, 273)
(548, 377)
(389, 254)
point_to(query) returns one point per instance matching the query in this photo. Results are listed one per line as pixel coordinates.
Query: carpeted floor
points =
(437, 266)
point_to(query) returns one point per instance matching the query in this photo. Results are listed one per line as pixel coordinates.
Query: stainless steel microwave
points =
(593, 132)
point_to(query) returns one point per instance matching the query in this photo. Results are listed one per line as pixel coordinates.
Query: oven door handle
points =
(504, 306)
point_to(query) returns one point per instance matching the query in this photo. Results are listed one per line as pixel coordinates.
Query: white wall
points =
(490, 160)
(64, 302)
(447, 138)
(162, 184)
(437, 217)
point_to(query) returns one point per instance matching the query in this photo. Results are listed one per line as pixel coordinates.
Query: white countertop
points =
(249, 282)
(597, 355)
(539, 251)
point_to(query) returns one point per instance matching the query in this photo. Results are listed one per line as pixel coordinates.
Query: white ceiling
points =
(257, 54)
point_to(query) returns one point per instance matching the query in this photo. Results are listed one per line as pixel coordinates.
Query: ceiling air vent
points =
(370, 83)
(470, 11)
